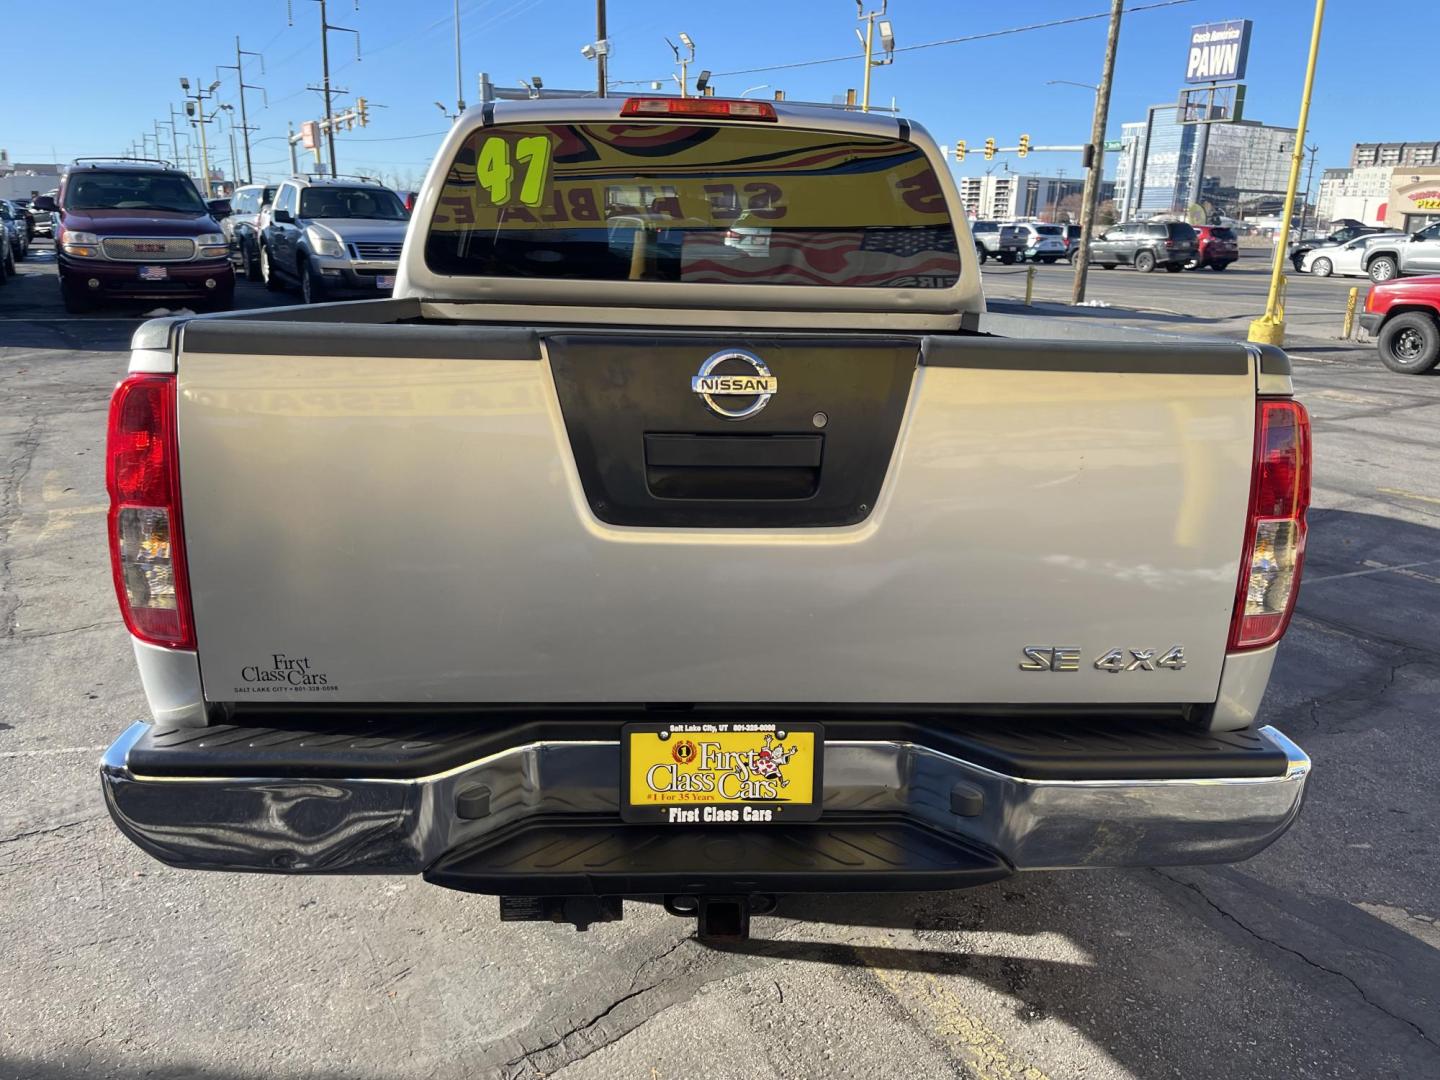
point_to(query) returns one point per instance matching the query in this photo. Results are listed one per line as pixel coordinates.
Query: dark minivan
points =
(138, 230)
(1146, 245)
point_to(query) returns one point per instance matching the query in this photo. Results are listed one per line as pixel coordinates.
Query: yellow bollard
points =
(1029, 283)
(1350, 313)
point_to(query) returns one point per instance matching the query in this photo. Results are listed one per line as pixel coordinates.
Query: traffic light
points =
(362, 111)
(989, 149)
(1024, 145)
(960, 150)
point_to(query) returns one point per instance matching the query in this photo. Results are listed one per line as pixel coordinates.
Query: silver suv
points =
(996, 241)
(331, 235)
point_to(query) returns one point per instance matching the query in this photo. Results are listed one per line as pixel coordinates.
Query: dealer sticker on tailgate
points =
(721, 773)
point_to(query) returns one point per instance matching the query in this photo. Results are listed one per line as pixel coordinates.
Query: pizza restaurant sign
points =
(1425, 200)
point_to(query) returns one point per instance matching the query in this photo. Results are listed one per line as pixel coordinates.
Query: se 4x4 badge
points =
(1067, 658)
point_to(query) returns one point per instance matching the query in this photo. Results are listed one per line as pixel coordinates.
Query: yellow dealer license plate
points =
(740, 773)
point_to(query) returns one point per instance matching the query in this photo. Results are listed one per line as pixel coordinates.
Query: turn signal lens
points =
(147, 554)
(1275, 526)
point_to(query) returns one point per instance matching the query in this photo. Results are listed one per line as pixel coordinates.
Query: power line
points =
(1053, 23)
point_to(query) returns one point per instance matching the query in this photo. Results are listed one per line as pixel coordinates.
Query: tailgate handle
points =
(744, 467)
(734, 451)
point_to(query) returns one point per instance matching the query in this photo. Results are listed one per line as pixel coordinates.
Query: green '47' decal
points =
(495, 170)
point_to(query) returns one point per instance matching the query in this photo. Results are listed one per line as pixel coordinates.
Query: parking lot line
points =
(984, 1052)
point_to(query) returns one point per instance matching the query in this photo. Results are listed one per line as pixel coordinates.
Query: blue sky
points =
(119, 75)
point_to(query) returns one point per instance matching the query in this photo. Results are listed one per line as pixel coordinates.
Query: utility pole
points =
(1090, 198)
(325, 88)
(1312, 150)
(602, 57)
(1269, 329)
(245, 128)
(325, 63)
(290, 138)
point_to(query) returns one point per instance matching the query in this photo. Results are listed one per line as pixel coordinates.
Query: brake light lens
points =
(701, 107)
(1275, 525)
(147, 550)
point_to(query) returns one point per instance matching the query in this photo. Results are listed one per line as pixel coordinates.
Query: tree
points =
(1069, 208)
(1105, 213)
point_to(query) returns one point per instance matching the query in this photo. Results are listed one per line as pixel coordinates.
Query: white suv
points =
(1042, 243)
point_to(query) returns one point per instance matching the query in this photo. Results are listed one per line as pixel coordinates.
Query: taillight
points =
(1275, 525)
(147, 550)
(708, 108)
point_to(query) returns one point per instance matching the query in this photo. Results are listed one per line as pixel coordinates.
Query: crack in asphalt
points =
(17, 469)
(1359, 990)
(32, 635)
(526, 1060)
(52, 829)
(1359, 693)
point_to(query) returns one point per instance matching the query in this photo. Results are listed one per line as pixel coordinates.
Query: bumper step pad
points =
(602, 858)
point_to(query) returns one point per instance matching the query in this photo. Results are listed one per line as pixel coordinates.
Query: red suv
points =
(1403, 316)
(1217, 250)
(138, 231)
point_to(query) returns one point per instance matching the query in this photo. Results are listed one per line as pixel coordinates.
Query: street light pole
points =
(459, 88)
(1090, 197)
(1269, 329)
(867, 39)
(602, 59)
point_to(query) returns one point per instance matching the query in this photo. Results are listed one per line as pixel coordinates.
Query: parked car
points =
(23, 206)
(332, 235)
(1216, 247)
(242, 227)
(1397, 254)
(996, 241)
(1339, 236)
(1041, 243)
(138, 231)
(1146, 245)
(14, 221)
(1403, 316)
(7, 256)
(44, 224)
(534, 579)
(1343, 260)
(1072, 241)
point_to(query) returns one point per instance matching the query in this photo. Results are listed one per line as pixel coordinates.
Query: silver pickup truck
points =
(626, 552)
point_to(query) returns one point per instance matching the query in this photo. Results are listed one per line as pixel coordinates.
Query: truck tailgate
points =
(493, 516)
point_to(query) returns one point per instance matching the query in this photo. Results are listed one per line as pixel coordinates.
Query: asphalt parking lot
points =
(1319, 958)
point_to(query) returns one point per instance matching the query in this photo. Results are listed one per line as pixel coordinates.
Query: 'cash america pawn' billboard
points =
(1218, 51)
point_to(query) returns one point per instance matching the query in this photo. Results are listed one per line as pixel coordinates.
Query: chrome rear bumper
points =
(403, 826)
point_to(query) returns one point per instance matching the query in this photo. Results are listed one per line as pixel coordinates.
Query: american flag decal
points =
(923, 257)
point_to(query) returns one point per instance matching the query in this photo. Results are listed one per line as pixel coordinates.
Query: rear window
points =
(338, 202)
(693, 203)
(1222, 234)
(1178, 230)
(984, 226)
(1049, 230)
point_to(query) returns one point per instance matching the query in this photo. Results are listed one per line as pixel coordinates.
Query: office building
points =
(1230, 168)
(1007, 196)
(1395, 153)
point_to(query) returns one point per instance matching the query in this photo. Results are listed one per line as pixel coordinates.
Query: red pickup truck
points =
(1403, 316)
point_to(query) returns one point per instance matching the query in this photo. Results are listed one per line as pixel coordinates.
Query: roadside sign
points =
(1112, 146)
(310, 135)
(1218, 51)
